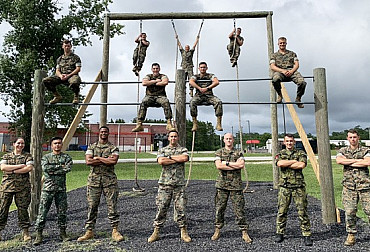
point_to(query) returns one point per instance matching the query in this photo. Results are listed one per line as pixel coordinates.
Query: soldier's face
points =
(19, 144)
(66, 47)
(282, 44)
(173, 138)
(238, 31)
(103, 134)
(229, 140)
(289, 142)
(203, 68)
(187, 48)
(353, 139)
(155, 70)
(56, 145)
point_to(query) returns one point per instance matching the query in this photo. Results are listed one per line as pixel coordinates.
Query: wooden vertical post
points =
(273, 107)
(37, 134)
(180, 100)
(323, 145)
(105, 69)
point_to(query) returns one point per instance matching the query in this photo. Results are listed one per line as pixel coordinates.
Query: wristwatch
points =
(209, 89)
(227, 163)
(169, 156)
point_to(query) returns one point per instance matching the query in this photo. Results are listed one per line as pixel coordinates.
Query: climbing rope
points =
(232, 55)
(191, 159)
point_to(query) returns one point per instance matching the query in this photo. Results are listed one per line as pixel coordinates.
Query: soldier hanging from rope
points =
(234, 48)
(140, 52)
(187, 60)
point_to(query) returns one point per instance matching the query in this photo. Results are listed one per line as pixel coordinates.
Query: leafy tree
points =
(34, 42)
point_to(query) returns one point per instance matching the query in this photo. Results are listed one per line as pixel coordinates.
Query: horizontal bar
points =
(172, 103)
(188, 15)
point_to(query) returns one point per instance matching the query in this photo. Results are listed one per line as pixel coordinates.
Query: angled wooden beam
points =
(301, 132)
(81, 111)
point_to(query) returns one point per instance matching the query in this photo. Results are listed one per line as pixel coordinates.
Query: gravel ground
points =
(138, 210)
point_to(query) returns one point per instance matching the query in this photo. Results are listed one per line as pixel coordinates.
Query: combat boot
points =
(57, 98)
(246, 237)
(39, 238)
(63, 235)
(116, 236)
(219, 123)
(75, 99)
(299, 103)
(351, 240)
(139, 127)
(308, 241)
(184, 235)
(195, 124)
(280, 97)
(169, 125)
(216, 235)
(87, 236)
(26, 235)
(155, 236)
(279, 238)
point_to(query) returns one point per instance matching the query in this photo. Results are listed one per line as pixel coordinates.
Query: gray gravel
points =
(138, 210)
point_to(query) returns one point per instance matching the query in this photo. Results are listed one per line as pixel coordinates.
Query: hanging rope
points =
(200, 29)
(176, 63)
(234, 39)
(191, 159)
(284, 119)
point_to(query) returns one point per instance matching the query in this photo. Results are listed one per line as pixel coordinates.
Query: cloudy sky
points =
(333, 34)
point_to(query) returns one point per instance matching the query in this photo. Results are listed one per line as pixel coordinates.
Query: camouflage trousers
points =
(350, 200)
(22, 201)
(93, 198)
(138, 59)
(234, 54)
(60, 200)
(154, 101)
(52, 82)
(297, 78)
(163, 201)
(300, 199)
(237, 199)
(198, 100)
(188, 74)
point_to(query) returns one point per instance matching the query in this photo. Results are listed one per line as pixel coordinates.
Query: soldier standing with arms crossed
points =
(229, 163)
(101, 156)
(171, 185)
(356, 181)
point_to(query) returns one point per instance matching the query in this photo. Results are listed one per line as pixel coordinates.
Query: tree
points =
(34, 42)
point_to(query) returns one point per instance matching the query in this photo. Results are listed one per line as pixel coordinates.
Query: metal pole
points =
(323, 144)
(180, 101)
(105, 69)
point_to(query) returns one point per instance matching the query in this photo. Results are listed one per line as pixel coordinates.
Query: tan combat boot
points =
(155, 236)
(75, 99)
(116, 235)
(219, 123)
(351, 240)
(216, 235)
(26, 235)
(39, 238)
(184, 235)
(57, 98)
(139, 127)
(87, 236)
(280, 97)
(63, 235)
(246, 237)
(195, 124)
(169, 125)
(299, 104)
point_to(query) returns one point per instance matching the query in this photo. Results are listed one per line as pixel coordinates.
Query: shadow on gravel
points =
(137, 211)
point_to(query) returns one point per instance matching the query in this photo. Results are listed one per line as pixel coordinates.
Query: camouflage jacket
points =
(55, 167)
(284, 61)
(16, 182)
(142, 48)
(153, 89)
(291, 178)
(102, 175)
(187, 58)
(173, 174)
(203, 83)
(355, 178)
(229, 180)
(232, 41)
(67, 64)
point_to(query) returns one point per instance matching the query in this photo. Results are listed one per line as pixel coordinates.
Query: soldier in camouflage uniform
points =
(16, 184)
(155, 97)
(67, 69)
(229, 163)
(356, 181)
(284, 64)
(140, 53)
(187, 60)
(55, 166)
(234, 48)
(102, 156)
(291, 185)
(204, 83)
(171, 185)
